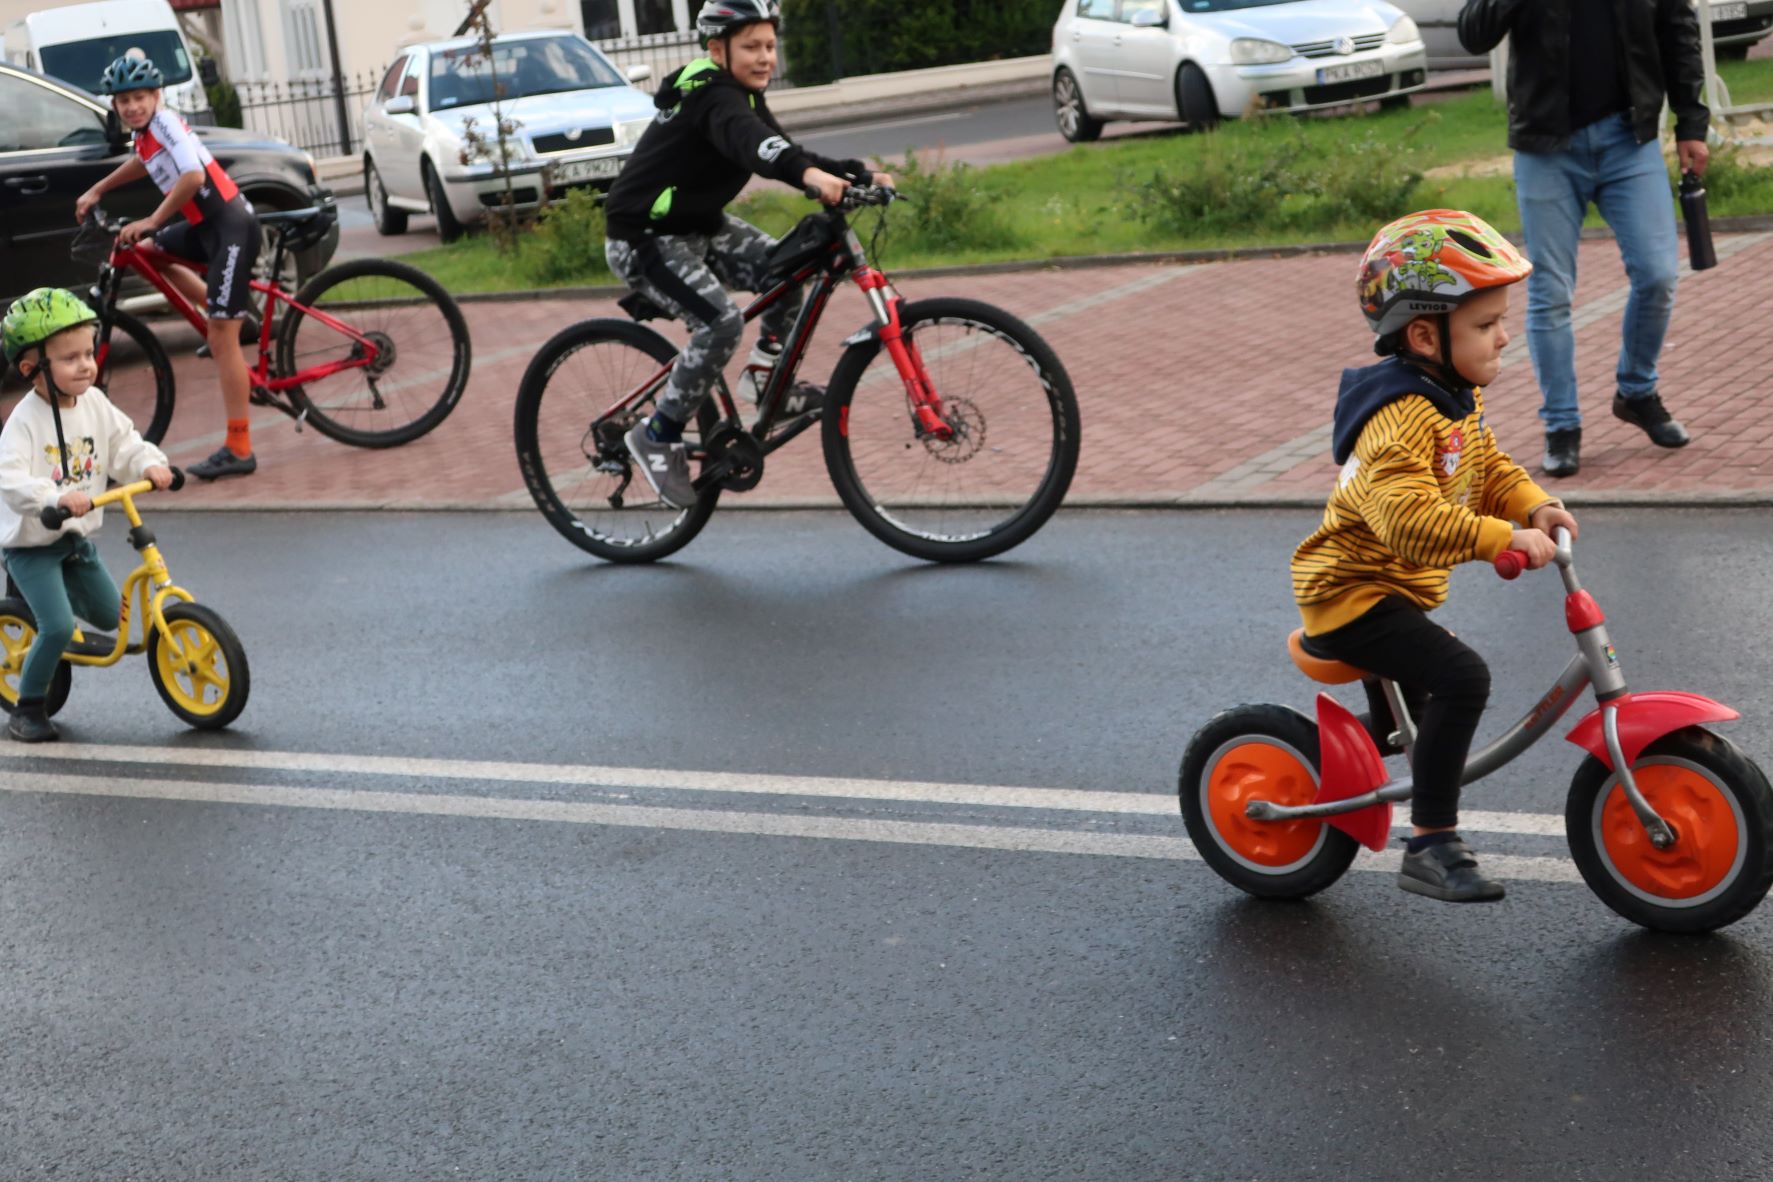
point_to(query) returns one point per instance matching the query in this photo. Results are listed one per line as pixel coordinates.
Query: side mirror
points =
(208, 71)
(114, 134)
(639, 73)
(1149, 18)
(401, 104)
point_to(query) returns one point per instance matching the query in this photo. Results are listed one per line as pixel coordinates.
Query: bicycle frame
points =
(150, 584)
(845, 258)
(1616, 732)
(149, 261)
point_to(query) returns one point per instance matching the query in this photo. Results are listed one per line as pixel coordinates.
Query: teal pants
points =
(60, 581)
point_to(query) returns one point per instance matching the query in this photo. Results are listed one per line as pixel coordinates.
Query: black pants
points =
(1444, 682)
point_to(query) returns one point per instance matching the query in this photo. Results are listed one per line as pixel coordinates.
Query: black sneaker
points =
(224, 463)
(29, 723)
(1447, 871)
(1648, 412)
(1563, 452)
(249, 334)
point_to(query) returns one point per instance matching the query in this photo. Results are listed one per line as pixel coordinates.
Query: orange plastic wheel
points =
(1262, 770)
(1708, 838)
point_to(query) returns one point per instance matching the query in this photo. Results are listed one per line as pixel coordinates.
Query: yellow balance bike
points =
(196, 661)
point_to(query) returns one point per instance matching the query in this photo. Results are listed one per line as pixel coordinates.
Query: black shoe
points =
(29, 723)
(1563, 452)
(224, 463)
(1447, 871)
(249, 334)
(1649, 413)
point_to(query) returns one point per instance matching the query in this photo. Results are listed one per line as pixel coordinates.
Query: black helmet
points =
(719, 18)
(131, 73)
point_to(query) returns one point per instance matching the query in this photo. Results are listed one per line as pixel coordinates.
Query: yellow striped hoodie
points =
(1423, 486)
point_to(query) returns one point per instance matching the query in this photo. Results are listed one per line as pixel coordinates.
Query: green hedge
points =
(880, 36)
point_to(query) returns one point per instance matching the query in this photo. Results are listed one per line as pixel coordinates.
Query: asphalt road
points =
(633, 919)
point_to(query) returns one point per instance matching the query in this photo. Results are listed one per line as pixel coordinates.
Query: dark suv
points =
(56, 140)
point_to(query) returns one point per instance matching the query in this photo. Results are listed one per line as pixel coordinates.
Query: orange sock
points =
(239, 437)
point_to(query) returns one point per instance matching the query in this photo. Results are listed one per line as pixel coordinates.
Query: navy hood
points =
(1365, 392)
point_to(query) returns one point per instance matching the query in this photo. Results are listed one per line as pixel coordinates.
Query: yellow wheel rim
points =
(16, 635)
(192, 667)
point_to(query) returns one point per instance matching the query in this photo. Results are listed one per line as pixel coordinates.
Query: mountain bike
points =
(372, 352)
(1669, 823)
(195, 661)
(950, 428)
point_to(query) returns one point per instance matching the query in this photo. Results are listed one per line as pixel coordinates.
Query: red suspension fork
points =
(926, 404)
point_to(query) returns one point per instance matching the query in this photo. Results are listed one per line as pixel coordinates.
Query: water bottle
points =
(756, 376)
(1700, 253)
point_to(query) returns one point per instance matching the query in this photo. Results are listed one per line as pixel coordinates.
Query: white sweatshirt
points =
(105, 446)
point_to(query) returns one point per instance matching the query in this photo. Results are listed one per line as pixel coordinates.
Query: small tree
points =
(495, 145)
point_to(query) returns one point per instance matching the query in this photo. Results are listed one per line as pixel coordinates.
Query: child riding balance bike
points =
(1667, 822)
(59, 448)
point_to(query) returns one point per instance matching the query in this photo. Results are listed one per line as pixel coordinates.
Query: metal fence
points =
(662, 52)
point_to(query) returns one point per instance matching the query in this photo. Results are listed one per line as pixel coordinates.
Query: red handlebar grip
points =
(1510, 563)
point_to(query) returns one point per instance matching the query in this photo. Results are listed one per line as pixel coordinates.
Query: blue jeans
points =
(1628, 182)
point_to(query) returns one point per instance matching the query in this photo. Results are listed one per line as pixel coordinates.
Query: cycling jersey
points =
(169, 149)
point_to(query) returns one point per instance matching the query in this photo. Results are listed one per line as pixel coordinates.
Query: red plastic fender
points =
(1351, 766)
(1644, 718)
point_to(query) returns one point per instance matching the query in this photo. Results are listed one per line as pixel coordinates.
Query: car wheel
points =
(298, 268)
(1074, 120)
(448, 227)
(1397, 102)
(389, 221)
(1195, 104)
(1731, 53)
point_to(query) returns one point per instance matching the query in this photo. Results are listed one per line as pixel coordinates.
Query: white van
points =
(77, 42)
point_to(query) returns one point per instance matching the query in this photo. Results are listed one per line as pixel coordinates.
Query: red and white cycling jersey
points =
(169, 149)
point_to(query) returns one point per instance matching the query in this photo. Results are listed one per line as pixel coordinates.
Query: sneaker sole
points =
(1429, 891)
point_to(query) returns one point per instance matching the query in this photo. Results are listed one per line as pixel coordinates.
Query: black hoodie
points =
(1365, 392)
(710, 135)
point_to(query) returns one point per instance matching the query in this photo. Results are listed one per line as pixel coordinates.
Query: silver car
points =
(430, 132)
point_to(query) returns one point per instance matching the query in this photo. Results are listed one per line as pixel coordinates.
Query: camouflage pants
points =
(687, 275)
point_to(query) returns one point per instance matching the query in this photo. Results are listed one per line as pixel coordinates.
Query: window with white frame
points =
(243, 39)
(304, 39)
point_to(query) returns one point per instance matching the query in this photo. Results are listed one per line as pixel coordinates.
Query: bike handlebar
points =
(55, 516)
(856, 196)
(1510, 563)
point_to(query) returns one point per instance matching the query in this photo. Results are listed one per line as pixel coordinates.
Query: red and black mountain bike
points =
(950, 427)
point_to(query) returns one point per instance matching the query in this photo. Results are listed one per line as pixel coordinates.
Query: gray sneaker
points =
(224, 463)
(1447, 872)
(665, 466)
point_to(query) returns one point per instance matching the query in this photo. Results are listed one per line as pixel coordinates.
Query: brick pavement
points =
(1208, 383)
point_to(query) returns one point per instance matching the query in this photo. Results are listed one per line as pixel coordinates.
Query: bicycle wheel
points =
(202, 676)
(574, 461)
(1718, 802)
(136, 376)
(420, 370)
(1015, 440)
(18, 628)
(1260, 753)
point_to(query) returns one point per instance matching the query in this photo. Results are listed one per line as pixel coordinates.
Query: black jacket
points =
(1658, 54)
(710, 135)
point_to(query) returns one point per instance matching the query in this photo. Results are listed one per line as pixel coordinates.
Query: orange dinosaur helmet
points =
(1428, 262)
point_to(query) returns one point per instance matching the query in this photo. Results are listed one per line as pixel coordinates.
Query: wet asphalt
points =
(195, 989)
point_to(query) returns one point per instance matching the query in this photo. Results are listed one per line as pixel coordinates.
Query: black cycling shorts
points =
(228, 243)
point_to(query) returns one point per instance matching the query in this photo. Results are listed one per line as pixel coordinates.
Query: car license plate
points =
(1350, 71)
(1730, 12)
(587, 170)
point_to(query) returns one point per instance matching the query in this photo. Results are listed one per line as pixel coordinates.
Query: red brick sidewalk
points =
(1198, 384)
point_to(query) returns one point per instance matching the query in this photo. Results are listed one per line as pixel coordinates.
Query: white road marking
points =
(1155, 803)
(987, 837)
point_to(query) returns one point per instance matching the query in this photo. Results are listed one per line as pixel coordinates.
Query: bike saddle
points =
(639, 307)
(1321, 669)
(301, 228)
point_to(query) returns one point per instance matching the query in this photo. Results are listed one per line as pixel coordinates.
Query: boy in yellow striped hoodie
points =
(1423, 486)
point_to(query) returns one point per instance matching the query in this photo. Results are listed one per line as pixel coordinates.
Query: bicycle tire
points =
(225, 668)
(328, 412)
(18, 628)
(122, 385)
(896, 502)
(560, 474)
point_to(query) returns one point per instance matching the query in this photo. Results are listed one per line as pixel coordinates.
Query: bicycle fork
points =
(926, 405)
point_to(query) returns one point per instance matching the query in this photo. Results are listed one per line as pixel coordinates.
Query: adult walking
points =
(1586, 83)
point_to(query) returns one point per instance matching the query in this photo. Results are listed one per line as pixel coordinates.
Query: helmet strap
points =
(1441, 368)
(55, 407)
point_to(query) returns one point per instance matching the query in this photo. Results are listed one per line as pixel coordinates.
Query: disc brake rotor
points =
(968, 423)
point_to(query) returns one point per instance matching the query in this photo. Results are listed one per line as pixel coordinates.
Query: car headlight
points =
(1253, 51)
(629, 131)
(1404, 32)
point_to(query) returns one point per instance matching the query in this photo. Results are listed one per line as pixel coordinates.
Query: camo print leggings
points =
(687, 275)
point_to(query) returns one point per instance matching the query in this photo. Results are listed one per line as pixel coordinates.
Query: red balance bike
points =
(1668, 823)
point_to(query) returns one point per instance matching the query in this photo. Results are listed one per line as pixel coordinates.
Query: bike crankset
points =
(735, 460)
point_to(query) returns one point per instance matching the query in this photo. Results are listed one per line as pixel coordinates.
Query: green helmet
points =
(36, 317)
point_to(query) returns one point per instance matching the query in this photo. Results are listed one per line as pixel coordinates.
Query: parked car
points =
(76, 42)
(1200, 61)
(576, 119)
(56, 140)
(1735, 26)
